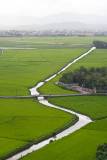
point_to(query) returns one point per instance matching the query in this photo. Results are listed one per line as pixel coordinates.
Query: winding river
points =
(83, 120)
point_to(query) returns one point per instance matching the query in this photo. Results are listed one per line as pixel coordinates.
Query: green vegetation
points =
(8, 144)
(38, 140)
(34, 45)
(93, 106)
(97, 58)
(77, 40)
(25, 68)
(81, 145)
(22, 121)
(100, 44)
(90, 78)
(85, 141)
(101, 152)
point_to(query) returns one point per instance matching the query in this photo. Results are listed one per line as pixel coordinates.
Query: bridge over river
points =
(51, 96)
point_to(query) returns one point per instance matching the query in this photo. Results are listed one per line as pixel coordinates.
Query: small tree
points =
(101, 152)
(90, 78)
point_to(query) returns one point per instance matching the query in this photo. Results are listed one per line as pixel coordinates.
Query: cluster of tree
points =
(89, 78)
(101, 152)
(100, 44)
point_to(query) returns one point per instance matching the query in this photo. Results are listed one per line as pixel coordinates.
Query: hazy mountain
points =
(69, 17)
(61, 26)
(56, 26)
(56, 21)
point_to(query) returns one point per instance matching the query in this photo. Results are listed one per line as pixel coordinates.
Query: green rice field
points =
(77, 40)
(93, 106)
(24, 120)
(97, 58)
(22, 69)
(35, 45)
(80, 145)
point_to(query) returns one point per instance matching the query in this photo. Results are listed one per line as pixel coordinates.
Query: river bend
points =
(83, 120)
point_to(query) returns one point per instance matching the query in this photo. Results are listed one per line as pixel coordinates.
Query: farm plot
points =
(81, 145)
(97, 58)
(24, 120)
(93, 106)
(79, 40)
(34, 45)
(22, 69)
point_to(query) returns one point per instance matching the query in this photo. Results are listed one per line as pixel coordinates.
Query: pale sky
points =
(40, 8)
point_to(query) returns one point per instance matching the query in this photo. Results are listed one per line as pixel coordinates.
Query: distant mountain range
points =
(56, 21)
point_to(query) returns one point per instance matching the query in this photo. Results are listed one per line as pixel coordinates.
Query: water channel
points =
(83, 120)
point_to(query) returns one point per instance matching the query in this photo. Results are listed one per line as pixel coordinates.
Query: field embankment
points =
(22, 121)
(25, 68)
(93, 106)
(81, 145)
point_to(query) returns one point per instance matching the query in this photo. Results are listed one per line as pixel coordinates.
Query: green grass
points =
(21, 120)
(97, 58)
(52, 88)
(85, 141)
(93, 106)
(7, 145)
(38, 45)
(81, 40)
(24, 120)
(25, 68)
(81, 145)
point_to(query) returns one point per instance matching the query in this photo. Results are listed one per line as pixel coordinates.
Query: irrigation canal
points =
(83, 120)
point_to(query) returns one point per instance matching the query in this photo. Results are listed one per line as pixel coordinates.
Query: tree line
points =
(89, 78)
(101, 152)
(100, 44)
